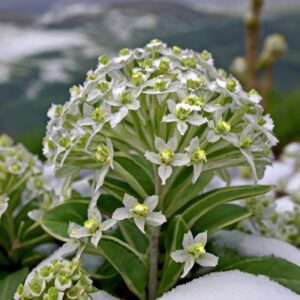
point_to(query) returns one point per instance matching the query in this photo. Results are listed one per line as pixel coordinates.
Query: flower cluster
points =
(175, 93)
(22, 171)
(57, 280)
(278, 214)
(165, 110)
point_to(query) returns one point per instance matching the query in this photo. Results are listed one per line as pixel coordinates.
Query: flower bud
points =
(194, 100)
(99, 114)
(124, 51)
(102, 86)
(164, 66)
(246, 142)
(103, 59)
(62, 283)
(65, 142)
(198, 155)
(182, 112)
(189, 61)
(222, 127)
(176, 50)
(205, 55)
(161, 85)
(91, 76)
(137, 78)
(102, 154)
(125, 98)
(231, 85)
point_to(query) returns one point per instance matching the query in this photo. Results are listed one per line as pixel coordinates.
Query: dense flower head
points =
(130, 101)
(21, 170)
(57, 280)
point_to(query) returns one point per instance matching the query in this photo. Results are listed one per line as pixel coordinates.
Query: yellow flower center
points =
(182, 113)
(197, 250)
(140, 210)
(102, 154)
(99, 114)
(222, 127)
(91, 225)
(198, 155)
(166, 156)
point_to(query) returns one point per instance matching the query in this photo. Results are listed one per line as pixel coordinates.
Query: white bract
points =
(92, 227)
(194, 251)
(166, 157)
(182, 114)
(142, 213)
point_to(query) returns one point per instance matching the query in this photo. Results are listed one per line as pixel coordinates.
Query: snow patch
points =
(253, 245)
(231, 285)
(102, 295)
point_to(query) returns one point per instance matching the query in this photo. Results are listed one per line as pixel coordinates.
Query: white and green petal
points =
(194, 251)
(3, 204)
(142, 213)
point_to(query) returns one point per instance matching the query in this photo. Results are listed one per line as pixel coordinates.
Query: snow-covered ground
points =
(231, 285)
(251, 245)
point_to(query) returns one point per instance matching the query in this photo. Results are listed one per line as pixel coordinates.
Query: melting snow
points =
(252, 245)
(231, 285)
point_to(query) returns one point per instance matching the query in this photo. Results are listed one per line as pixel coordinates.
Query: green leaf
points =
(202, 204)
(130, 179)
(139, 168)
(277, 269)
(125, 259)
(66, 171)
(133, 236)
(171, 269)
(224, 175)
(108, 204)
(9, 284)
(117, 188)
(128, 262)
(104, 272)
(179, 197)
(220, 217)
(56, 221)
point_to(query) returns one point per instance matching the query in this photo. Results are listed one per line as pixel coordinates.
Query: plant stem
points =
(153, 250)
(252, 40)
(153, 262)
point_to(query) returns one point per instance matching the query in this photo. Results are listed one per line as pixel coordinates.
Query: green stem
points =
(153, 262)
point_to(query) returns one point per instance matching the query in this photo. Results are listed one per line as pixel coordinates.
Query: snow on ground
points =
(252, 245)
(284, 204)
(101, 295)
(231, 285)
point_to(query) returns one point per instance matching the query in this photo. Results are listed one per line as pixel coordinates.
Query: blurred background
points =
(47, 46)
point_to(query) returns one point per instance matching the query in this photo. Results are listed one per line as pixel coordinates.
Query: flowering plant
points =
(26, 192)
(148, 130)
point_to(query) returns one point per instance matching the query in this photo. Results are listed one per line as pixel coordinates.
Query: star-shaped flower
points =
(197, 157)
(167, 157)
(182, 114)
(140, 212)
(194, 251)
(93, 226)
(126, 100)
